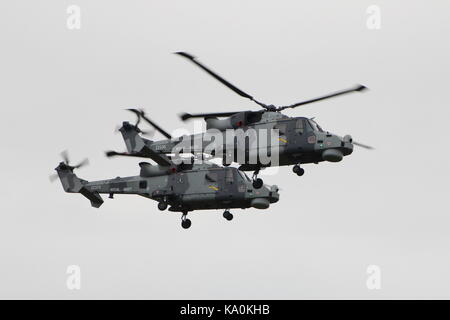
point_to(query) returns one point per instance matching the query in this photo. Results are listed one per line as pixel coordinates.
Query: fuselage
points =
(204, 186)
(300, 140)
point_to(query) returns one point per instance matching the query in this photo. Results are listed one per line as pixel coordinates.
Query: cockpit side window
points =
(244, 176)
(315, 126)
(299, 126)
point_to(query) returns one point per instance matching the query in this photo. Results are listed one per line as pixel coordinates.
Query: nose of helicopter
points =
(336, 147)
(267, 196)
(347, 145)
(274, 196)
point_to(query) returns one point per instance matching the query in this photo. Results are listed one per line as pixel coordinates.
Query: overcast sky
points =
(66, 89)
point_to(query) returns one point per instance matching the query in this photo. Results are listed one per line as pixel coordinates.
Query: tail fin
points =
(137, 146)
(72, 184)
(133, 141)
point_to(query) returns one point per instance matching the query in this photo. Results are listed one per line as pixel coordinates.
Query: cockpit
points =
(244, 176)
(314, 125)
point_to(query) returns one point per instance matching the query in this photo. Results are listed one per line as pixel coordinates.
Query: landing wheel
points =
(257, 183)
(186, 223)
(227, 215)
(298, 170)
(162, 205)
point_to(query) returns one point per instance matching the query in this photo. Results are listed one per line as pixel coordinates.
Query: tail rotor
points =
(65, 165)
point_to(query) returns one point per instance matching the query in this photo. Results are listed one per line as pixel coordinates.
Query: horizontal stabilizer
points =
(94, 197)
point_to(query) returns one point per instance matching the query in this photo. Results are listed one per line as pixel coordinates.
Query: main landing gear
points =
(185, 222)
(227, 215)
(298, 170)
(257, 182)
(162, 205)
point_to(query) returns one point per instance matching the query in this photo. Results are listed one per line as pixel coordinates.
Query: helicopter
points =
(301, 140)
(178, 187)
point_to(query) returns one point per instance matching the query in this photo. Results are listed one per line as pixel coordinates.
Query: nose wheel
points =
(257, 182)
(227, 215)
(185, 222)
(298, 170)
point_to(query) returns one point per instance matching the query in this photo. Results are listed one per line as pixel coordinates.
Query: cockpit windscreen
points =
(314, 125)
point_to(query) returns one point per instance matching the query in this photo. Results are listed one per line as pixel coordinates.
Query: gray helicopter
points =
(301, 140)
(179, 187)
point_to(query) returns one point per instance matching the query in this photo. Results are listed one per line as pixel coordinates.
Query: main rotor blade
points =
(362, 145)
(153, 124)
(186, 116)
(162, 131)
(358, 87)
(219, 78)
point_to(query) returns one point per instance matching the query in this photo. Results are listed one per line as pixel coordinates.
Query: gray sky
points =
(66, 89)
